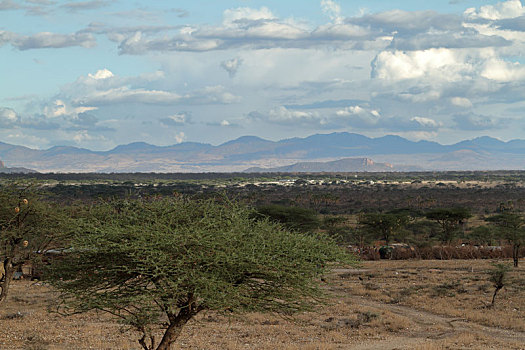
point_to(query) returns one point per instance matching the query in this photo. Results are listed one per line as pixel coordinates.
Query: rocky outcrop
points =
(342, 165)
(18, 170)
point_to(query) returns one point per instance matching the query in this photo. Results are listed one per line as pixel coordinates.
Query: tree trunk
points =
(6, 279)
(515, 254)
(170, 336)
(494, 296)
(176, 323)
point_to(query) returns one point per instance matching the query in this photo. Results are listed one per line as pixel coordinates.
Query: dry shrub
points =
(404, 253)
(369, 253)
(394, 323)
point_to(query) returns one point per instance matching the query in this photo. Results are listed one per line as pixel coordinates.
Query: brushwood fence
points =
(439, 253)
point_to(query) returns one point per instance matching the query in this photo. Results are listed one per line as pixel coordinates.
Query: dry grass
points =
(457, 288)
(468, 341)
(387, 318)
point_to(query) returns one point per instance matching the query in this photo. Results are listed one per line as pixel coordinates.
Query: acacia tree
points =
(511, 227)
(384, 226)
(27, 226)
(450, 220)
(156, 263)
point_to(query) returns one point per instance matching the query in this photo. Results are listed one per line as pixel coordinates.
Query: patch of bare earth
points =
(423, 305)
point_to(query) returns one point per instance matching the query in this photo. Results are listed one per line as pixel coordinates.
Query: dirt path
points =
(429, 326)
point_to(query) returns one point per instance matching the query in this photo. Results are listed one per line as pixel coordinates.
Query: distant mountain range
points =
(483, 153)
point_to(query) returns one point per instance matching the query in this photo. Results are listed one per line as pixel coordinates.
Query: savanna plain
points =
(414, 300)
(415, 304)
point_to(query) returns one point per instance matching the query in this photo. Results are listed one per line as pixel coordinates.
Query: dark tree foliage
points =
(156, 263)
(484, 235)
(292, 218)
(337, 227)
(422, 233)
(450, 220)
(384, 226)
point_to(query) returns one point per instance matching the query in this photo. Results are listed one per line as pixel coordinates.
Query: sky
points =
(100, 73)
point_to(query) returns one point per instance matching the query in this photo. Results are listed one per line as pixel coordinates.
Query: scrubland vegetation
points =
(161, 263)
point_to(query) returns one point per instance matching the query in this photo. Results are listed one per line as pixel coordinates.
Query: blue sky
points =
(101, 73)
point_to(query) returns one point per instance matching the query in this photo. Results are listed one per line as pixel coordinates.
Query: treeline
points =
(460, 176)
(326, 199)
(424, 233)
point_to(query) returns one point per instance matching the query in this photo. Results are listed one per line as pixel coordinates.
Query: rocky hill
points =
(342, 165)
(17, 170)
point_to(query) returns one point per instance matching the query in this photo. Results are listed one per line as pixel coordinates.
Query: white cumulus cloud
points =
(347, 111)
(398, 65)
(231, 17)
(179, 137)
(502, 10)
(503, 71)
(176, 119)
(426, 122)
(101, 74)
(284, 115)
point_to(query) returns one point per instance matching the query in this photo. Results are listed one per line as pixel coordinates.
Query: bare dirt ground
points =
(421, 305)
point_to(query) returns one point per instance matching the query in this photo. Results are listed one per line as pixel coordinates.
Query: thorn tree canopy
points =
(156, 263)
(292, 218)
(384, 226)
(450, 220)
